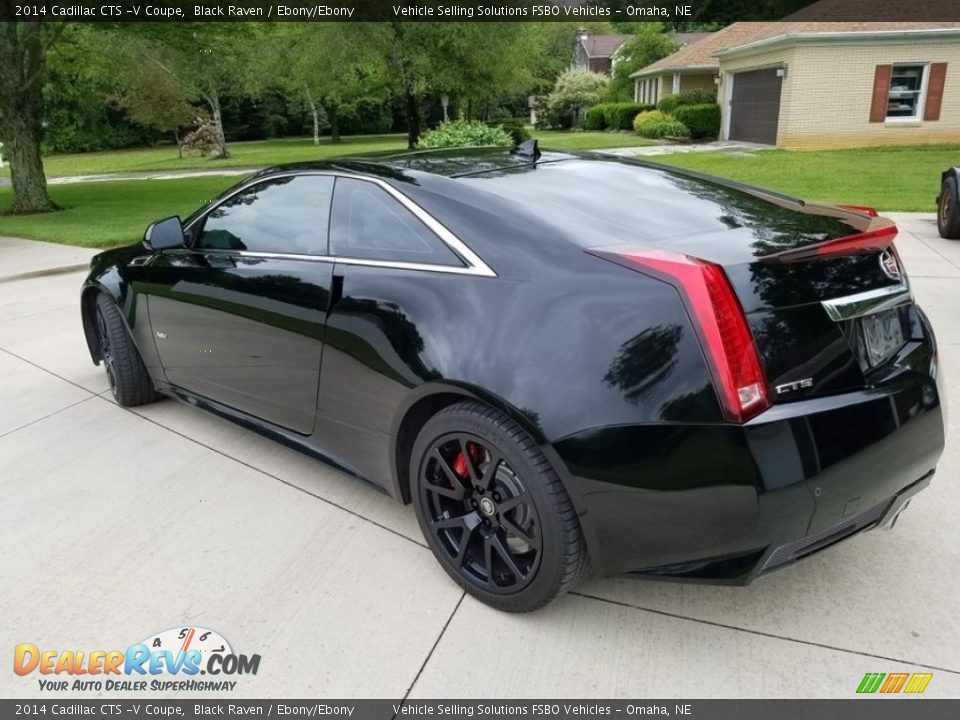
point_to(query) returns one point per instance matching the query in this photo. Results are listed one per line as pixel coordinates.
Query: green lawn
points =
(561, 140)
(105, 214)
(885, 178)
(242, 154)
(264, 153)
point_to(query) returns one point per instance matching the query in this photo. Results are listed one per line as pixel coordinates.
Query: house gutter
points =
(850, 36)
(669, 69)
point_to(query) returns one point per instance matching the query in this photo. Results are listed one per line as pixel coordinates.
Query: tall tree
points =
(153, 99)
(208, 63)
(205, 60)
(330, 65)
(23, 56)
(473, 60)
(647, 46)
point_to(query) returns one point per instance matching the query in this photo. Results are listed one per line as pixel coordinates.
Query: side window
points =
(369, 224)
(283, 215)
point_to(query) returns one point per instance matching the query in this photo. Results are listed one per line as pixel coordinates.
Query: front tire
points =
(493, 510)
(948, 210)
(129, 380)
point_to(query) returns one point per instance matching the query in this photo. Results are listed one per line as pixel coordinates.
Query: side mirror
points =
(165, 234)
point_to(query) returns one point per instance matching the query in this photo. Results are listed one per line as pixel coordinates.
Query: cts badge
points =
(796, 385)
(889, 265)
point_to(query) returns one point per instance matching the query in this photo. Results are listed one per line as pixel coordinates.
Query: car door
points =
(238, 316)
(397, 278)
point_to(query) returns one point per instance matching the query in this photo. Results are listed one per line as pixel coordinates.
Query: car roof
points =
(447, 162)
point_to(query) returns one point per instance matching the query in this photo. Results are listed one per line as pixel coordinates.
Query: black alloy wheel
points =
(948, 210)
(106, 351)
(480, 512)
(493, 510)
(129, 380)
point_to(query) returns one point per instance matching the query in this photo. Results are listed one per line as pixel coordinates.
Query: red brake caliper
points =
(460, 465)
(460, 462)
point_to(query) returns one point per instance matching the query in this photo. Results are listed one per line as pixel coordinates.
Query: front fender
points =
(110, 274)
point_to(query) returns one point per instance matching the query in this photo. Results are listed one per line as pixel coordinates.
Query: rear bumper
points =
(725, 503)
(883, 515)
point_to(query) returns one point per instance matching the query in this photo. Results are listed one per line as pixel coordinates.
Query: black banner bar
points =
(884, 11)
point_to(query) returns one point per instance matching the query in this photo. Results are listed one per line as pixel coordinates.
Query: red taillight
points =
(879, 239)
(720, 322)
(868, 211)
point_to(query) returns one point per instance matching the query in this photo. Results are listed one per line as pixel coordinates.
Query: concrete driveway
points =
(116, 524)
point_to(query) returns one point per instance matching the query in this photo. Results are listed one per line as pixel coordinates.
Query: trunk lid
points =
(821, 287)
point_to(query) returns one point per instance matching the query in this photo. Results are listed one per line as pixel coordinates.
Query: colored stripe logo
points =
(910, 683)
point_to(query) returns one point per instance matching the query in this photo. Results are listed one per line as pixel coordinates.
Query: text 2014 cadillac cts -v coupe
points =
(550, 356)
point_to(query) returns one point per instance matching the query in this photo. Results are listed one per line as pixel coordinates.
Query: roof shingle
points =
(703, 54)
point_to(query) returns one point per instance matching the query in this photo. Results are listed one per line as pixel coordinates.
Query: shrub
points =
(657, 124)
(516, 128)
(701, 120)
(574, 89)
(690, 97)
(202, 140)
(640, 119)
(619, 116)
(463, 133)
(596, 118)
(664, 128)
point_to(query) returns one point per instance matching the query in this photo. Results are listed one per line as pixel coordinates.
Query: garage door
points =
(755, 106)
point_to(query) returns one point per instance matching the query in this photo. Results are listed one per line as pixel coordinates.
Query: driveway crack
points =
(430, 654)
(762, 633)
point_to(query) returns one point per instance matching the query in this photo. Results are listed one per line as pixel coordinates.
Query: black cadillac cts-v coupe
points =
(549, 355)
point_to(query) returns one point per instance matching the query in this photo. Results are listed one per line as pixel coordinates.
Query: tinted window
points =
(284, 215)
(606, 202)
(368, 223)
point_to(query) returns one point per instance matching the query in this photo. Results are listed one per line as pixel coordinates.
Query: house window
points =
(907, 85)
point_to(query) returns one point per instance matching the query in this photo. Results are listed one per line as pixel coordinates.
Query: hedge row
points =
(613, 116)
(693, 114)
(703, 121)
(690, 97)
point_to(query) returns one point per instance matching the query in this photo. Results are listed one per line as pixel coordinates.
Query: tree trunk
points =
(413, 120)
(176, 138)
(316, 121)
(214, 101)
(23, 48)
(334, 123)
(26, 167)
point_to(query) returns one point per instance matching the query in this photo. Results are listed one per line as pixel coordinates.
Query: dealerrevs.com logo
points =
(166, 661)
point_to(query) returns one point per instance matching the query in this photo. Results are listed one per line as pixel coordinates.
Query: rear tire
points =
(493, 510)
(129, 380)
(948, 210)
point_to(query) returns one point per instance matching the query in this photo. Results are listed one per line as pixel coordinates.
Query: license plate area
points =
(881, 335)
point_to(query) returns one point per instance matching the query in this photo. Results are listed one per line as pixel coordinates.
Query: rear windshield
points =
(608, 202)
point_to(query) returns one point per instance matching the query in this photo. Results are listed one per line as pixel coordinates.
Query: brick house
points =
(823, 84)
(595, 52)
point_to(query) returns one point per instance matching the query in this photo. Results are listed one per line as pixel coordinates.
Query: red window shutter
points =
(938, 78)
(881, 91)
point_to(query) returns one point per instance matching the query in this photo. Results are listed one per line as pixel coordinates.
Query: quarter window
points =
(367, 223)
(906, 91)
(282, 215)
